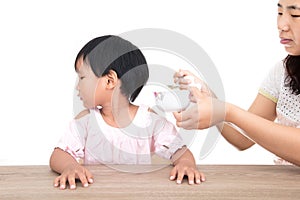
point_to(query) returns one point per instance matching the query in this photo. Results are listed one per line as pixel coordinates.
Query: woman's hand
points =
(190, 80)
(205, 112)
(70, 174)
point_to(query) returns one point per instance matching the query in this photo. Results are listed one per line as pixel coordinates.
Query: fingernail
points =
(178, 182)
(85, 185)
(191, 182)
(62, 187)
(91, 180)
(55, 184)
(72, 187)
(198, 181)
(172, 177)
(202, 179)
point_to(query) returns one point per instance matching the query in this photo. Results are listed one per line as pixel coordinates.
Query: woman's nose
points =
(283, 23)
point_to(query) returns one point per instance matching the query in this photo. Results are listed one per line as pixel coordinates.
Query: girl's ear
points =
(111, 79)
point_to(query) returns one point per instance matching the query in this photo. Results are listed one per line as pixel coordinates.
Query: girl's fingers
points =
(197, 177)
(180, 176)
(173, 174)
(202, 177)
(191, 176)
(89, 176)
(83, 179)
(71, 180)
(56, 181)
(62, 182)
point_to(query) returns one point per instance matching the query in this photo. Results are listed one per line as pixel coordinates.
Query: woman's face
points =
(288, 22)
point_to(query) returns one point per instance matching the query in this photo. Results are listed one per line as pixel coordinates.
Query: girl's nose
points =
(77, 86)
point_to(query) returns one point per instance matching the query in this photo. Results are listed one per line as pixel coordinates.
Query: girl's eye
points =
(295, 15)
(279, 13)
(82, 77)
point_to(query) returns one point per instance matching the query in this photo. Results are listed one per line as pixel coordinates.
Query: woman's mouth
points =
(285, 41)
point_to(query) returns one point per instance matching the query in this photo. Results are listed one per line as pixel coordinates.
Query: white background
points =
(39, 41)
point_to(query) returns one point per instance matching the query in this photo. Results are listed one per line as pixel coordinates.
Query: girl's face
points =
(91, 89)
(288, 22)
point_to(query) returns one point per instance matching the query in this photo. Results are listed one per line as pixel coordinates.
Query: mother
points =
(278, 98)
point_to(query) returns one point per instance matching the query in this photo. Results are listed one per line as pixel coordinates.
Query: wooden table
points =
(223, 182)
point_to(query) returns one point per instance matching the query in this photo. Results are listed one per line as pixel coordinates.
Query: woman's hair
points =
(292, 65)
(110, 52)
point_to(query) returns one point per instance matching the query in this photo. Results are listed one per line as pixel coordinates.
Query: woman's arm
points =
(257, 124)
(262, 107)
(281, 140)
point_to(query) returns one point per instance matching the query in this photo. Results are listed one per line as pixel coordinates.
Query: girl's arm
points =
(60, 160)
(184, 164)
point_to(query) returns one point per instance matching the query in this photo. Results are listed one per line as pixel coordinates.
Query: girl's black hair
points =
(292, 65)
(115, 53)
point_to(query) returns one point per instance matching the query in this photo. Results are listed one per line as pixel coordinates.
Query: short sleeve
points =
(271, 85)
(73, 139)
(167, 140)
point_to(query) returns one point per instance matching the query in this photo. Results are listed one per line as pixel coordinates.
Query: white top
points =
(91, 140)
(287, 104)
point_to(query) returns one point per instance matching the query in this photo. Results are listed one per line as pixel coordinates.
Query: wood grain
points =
(223, 182)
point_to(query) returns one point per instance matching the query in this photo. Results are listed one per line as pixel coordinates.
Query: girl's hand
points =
(184, 164)
(188, 168)
(70, 174)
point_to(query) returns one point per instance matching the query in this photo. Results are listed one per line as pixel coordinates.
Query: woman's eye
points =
(295, 15)
(279, 13)
(82, 77)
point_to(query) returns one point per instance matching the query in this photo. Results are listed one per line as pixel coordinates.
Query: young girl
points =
(112, 130)
(278, 98)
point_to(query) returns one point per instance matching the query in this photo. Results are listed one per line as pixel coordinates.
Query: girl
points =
(278, 98)
(112, 130)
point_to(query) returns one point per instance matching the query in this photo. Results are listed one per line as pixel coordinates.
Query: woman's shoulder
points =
(276, 74)
(278, 69)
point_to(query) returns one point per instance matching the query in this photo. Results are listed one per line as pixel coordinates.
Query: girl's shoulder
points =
(85, 117)
(82, 114)
(148, 110)
(151, 115)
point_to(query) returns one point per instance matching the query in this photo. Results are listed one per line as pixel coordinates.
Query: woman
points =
(278, 98)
